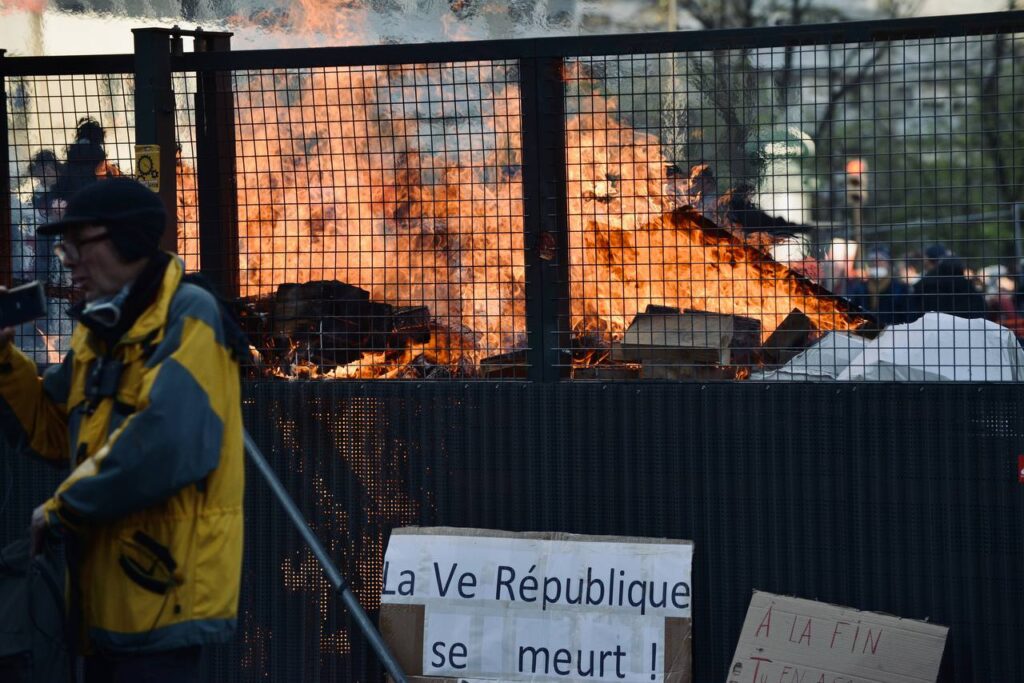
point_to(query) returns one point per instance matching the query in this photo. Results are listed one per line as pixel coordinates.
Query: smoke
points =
(261, 24)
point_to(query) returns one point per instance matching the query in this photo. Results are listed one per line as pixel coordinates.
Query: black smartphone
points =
(22, 304)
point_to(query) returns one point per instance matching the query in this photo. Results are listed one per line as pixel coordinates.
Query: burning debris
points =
(397, 200)
(726, 309)
(332, 329)
(669, 344)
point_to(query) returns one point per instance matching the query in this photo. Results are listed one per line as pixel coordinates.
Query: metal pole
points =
(366, 624)
(6, 233)
(547, 217)
(154, 117)
(215, 171)
(1018, 238)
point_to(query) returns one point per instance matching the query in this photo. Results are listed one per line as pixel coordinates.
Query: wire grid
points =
(44, 115)
(791, 213)
(380, 219)
(184, 87)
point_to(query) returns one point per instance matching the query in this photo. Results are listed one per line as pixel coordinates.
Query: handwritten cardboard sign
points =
(491, 605)
(790, 640)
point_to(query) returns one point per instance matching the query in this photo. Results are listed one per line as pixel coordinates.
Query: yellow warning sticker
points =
(147, 166)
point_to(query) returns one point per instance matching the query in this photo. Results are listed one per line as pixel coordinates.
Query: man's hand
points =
(38, 531)
(6, 333)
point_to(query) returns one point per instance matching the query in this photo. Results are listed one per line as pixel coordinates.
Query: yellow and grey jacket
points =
(154, 498)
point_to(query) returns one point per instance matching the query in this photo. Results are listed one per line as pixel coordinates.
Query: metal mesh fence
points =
(63, 131)
(186, 180)
(383, 232)
(764, 213)
(800, 489)
(380, 218)
(808, 208)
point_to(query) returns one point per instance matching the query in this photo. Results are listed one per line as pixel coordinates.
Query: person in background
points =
(46, 170)
(1000, 293)
(146, 409)
(908, 269)
(945, 288)
(86, 162)
(887, 297)
(838, 268)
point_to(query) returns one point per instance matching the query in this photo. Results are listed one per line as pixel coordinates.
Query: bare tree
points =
(995, 120)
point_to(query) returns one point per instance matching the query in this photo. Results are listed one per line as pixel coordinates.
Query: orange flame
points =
(375, 177)
(31, 6)
(318, 22)
(631, 246)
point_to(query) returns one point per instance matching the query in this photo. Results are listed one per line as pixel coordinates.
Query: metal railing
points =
(518, 209)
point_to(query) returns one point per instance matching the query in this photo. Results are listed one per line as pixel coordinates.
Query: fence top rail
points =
(68, 65)
(563, 46)
(609, 45)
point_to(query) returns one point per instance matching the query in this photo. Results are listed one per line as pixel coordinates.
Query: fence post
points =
(215, 171)
(6, 233)
(154, 117)
(546, 207)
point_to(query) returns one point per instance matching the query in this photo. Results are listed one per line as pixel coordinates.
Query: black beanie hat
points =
(133, 214)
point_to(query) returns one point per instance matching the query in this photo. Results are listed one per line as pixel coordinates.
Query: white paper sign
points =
(515, 608)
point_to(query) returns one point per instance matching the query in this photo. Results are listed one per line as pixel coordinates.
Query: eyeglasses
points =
(71, 251)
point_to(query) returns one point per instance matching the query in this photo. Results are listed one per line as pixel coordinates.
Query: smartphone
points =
(22, 304)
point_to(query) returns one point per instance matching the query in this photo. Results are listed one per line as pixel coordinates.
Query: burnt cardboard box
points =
(789, 339)
(667, 338)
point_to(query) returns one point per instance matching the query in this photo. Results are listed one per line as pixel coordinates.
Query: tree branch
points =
(837, 95)
(991, 118)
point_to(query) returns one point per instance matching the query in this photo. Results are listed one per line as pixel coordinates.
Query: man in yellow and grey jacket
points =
(146, 406)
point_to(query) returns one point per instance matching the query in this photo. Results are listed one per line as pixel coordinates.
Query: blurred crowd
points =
(54, 181)
(54, 178)
(900, 290)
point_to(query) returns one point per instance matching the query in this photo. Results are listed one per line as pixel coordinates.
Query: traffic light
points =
(856, 182)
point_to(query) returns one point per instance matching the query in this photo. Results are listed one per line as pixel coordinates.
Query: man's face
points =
(95, 267)
(879, 268)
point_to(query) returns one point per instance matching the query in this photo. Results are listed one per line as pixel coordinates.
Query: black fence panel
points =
(696, 206)
(895, 498)
(902, 498)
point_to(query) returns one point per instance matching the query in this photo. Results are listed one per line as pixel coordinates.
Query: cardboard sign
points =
(473, 604)
(147, 166)
(789, 640)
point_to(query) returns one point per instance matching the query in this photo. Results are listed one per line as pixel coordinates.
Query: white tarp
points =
(937, 347)
(823, 362)
(943, 348)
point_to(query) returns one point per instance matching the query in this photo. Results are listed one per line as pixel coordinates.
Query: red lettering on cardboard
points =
(766, 624)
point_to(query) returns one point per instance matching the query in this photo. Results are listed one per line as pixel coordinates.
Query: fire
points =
(30, 6)
(404, 181)
(335, 22)
(188, 216)
(335, 187)
(632, 245)
(634, 242)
